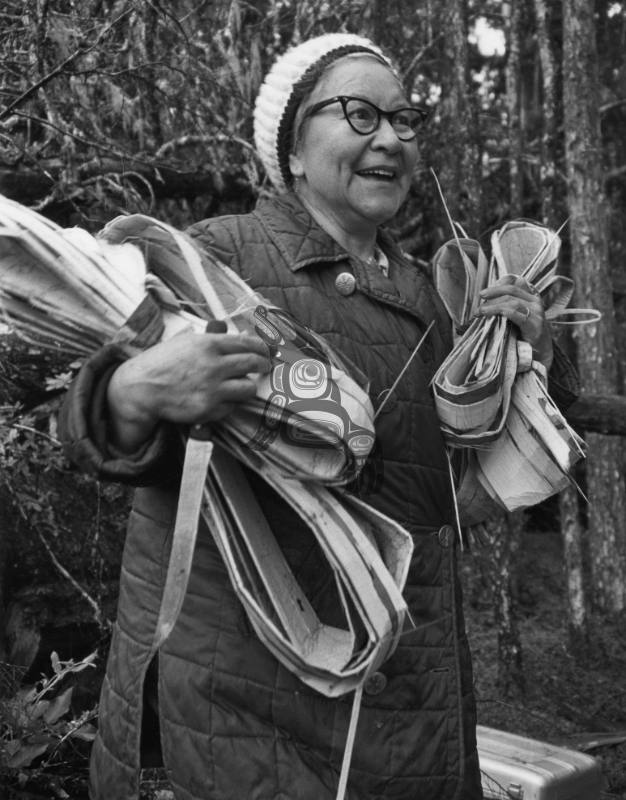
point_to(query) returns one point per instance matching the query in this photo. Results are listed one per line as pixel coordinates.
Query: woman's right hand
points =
(190, 379)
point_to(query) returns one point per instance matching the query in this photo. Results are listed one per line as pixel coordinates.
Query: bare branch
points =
(419, 56)
(102, 621)
(610, 106)
(81, 51)
(184, 141)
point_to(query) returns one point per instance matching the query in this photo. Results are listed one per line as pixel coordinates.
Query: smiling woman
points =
(352, 163)
(339, 141)
(352, 180)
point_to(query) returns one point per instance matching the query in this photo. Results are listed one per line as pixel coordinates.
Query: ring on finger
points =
(525, 313)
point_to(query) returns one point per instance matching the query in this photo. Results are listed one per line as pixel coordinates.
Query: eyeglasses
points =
(364, 117)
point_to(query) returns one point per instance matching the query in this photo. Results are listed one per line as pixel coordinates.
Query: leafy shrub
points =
(36, 723)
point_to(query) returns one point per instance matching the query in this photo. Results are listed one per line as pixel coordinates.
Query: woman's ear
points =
(295, 166)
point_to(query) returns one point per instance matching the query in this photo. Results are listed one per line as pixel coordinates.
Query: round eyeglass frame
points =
(421, 115)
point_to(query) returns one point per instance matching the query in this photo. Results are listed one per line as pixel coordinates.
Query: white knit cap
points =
(283, 90)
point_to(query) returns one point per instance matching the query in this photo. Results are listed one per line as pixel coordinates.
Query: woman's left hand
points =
(513, 297)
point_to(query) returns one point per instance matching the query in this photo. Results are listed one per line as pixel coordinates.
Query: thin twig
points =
(97, 611)
(190, 139)
(404, 369)
(419, 55)
(36, 432)
(610, 106)
(84, 720)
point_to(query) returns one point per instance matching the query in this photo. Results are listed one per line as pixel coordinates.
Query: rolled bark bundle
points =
(490, 395)
(309, 427)
(68, 291)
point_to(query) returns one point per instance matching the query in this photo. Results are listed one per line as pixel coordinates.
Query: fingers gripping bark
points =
(189, 379)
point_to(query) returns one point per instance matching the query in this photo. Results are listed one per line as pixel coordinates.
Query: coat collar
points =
(297, 235)
(301, 241)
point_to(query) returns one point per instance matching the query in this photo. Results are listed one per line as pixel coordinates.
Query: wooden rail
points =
(599, 414)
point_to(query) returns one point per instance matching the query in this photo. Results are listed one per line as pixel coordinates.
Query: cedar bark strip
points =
(597, 342)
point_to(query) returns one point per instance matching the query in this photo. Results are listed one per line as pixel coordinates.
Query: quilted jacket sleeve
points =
(83, 429)
(563, 381)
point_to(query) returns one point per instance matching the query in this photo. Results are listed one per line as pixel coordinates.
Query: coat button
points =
(345, 283)
(375, 683)
(445, 534)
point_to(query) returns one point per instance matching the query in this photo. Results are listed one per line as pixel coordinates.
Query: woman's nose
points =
(385, 136)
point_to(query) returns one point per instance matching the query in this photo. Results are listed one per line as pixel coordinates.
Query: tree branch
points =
(100, 619)
(81, 51)
(599, 413)
(610, 106)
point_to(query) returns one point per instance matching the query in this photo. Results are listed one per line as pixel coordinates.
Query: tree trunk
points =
(550, 206)
(508, 528)
(507, 533)
(460, 171)
(572, 537)
(597, 342)
(512, 14)
(553, 212)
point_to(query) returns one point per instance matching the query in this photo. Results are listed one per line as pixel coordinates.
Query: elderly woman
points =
(339, 141)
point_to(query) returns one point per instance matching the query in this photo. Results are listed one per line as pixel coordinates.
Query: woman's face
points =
(358, 181)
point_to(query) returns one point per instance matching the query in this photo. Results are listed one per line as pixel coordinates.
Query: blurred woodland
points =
(110, 107)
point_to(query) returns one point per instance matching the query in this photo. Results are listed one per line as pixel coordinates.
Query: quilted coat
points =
(234, 724)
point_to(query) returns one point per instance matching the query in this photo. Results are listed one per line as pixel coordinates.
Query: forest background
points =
(110, 107)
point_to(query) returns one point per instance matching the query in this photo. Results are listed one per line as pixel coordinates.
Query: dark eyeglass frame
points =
(380, 114)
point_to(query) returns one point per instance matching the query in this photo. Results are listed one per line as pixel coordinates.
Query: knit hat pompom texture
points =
(281, 93)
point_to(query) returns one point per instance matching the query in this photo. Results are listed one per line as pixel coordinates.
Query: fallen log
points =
(31, 185)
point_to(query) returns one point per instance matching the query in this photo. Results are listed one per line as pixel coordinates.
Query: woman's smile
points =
(385, 174)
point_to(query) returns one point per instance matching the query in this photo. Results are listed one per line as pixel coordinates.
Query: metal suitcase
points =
(516, 768)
